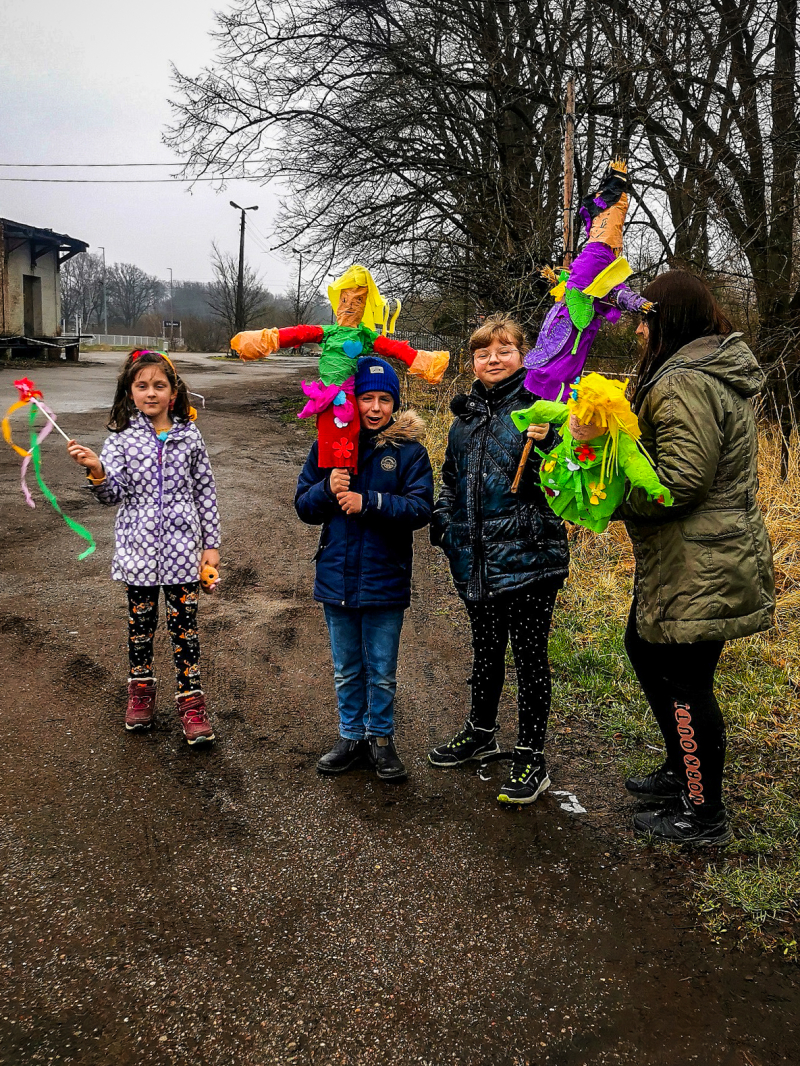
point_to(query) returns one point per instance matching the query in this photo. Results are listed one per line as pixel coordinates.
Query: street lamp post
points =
(238, 315)
(299, 277)
(105, 298)
(171, 315)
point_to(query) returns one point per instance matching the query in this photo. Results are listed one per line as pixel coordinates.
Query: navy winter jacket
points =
(364, 560)
(495, 540)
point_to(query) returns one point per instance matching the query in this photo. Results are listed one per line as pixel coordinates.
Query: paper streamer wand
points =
(37, 467)
(48, 414)
(23, 478)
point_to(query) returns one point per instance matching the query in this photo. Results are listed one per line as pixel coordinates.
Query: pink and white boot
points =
(141, 703)
(194, 718)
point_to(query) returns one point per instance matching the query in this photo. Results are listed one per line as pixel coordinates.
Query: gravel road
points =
(163, 905)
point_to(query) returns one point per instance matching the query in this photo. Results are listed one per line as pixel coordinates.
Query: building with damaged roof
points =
(30, 289)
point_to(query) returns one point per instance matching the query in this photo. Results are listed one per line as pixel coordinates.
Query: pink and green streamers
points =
(23, 479)
(36, 455)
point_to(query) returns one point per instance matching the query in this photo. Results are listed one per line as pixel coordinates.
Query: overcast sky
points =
(87, 81)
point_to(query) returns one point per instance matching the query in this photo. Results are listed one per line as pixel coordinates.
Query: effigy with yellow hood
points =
(363, 324)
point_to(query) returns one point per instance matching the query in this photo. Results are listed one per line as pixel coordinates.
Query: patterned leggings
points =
(181, 605)
(524, 618)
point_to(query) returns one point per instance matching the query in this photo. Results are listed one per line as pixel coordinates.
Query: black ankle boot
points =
(383, 755)
(344, 755)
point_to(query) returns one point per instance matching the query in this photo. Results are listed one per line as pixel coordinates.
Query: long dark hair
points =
(123, 409)
(685, 310)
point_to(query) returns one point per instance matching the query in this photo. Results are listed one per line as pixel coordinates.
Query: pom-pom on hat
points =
(375, 375)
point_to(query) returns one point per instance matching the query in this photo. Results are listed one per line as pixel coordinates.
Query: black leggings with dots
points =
(181, 607)
(524, 617)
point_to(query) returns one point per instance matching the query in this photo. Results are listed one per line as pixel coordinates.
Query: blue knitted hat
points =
(375, 375)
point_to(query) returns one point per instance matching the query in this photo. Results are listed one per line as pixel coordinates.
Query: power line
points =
(129, 181)
(173, 164)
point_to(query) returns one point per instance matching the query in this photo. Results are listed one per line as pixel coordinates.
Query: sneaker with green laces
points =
(528, 778)
(470, 743)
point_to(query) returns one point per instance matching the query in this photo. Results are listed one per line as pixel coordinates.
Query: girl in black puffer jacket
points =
(508, 555)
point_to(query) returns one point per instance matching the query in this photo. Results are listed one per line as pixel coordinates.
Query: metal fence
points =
(429, 342)
(115, 340)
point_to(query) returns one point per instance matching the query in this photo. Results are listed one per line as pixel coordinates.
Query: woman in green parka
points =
(703, 566)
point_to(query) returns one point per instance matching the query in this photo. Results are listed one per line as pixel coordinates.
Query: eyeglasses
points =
(482, 356)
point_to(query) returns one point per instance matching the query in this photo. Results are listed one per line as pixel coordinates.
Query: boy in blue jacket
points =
(364, 560)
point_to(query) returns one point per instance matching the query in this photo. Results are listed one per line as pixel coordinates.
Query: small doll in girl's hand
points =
(360, 311)
(584, 476)
(155, 467)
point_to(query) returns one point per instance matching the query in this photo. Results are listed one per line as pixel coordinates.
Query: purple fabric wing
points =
(557, 333)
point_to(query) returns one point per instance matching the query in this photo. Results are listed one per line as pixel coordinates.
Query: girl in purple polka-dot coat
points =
(155, 468)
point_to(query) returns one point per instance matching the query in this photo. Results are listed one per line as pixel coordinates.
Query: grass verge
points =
(751, 889)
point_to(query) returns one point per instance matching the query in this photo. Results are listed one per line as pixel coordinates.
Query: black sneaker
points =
(528, 778)
(661, 785)
(681, 824)
(383, 755)
(468, 744)
(343, 756)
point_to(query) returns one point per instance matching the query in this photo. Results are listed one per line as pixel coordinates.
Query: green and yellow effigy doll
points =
(584, 477)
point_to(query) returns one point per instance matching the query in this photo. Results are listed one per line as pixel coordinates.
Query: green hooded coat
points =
(703, 566)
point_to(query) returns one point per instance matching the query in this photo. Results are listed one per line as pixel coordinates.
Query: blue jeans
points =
(364, 644)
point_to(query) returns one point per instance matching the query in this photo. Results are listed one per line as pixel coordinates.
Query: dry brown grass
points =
(754, 886)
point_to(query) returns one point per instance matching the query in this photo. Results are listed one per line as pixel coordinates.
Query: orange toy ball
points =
(208, 575)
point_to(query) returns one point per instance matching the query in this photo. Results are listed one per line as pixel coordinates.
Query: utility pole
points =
(171, 320)
(569, 172)
(569, 181)
(105, 298)
(239, 322)
(299, 277)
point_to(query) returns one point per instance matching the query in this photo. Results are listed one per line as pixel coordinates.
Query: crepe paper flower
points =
(572, 466)
(549, 466)
(552, 493)
(586, 454)
(26, 389)
(343, 448)
(597, 492)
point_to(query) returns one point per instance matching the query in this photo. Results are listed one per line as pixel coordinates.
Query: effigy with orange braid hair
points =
(584, 477)
(363, 322)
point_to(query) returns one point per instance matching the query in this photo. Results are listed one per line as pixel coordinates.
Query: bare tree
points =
(714, 95)
(131, 293)
(422, 136)
(222, 293)
(82, 288)
(204, 333)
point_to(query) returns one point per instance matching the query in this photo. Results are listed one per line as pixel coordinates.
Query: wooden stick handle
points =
(526, 451)
(50, 419)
